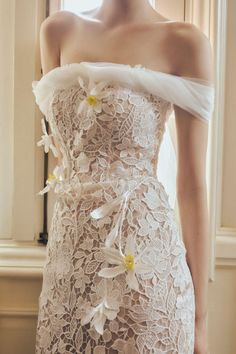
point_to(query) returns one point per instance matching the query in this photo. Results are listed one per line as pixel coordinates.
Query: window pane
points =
(78, 6)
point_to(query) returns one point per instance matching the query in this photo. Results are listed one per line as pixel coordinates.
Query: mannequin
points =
(132, 32)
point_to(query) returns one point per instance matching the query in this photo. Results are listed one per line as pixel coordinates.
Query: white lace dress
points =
(115, 278)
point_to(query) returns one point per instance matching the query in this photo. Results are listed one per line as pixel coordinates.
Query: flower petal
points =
(54, 150)
(83, 163)
(43, 126)
(132, 280)
(81, 82)
(91, 86)
(106, 208)
(103, 94)
(99, 321)
(100, 86)
(110, 314)
(82, 107)
(44, 190)
(58, 170)
(113, 255)
(86, 318)
(130, 245)
(111, 303)
(98, 107)
(112, 271)
(113, 233)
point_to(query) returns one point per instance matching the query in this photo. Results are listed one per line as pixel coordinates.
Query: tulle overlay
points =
(116, 279)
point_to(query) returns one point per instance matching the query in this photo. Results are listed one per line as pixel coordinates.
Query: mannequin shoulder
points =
(53, 30)
(190, 51)
(58, 24)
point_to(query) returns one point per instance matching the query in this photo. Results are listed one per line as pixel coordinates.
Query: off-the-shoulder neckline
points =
(131, 67)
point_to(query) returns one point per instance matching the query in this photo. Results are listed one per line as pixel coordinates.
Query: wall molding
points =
(27, 260)
(23, 259)
(222, 238)
(18, 312)
(225, 250)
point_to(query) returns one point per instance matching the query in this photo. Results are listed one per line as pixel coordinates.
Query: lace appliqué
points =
(116, 278)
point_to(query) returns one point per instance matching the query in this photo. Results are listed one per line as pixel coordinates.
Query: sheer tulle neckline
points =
(130, 67)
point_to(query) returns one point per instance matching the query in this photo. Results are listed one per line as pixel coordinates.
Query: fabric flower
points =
(78, 140)
(83, 163)
(94, 95)
(99, 314)
(53, 179)
(183, 306)
(46, 140)
(127, 263)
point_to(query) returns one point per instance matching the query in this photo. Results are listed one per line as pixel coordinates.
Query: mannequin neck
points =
(114, 12)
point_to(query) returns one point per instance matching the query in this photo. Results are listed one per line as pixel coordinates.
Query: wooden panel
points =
(24, 128)
(17, 334)
(221, 312)
(229, 160)
(174, 10)
(54, 5)
(17, 163)
(18, 314)
(6, 116)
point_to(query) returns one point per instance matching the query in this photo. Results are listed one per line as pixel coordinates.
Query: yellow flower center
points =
(51, 177)
(129, 261)
(91, 100)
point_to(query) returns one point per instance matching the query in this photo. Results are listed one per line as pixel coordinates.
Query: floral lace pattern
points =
(115, 278)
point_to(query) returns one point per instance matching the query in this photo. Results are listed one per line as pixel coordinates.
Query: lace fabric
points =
(116, 279)
(191, 94)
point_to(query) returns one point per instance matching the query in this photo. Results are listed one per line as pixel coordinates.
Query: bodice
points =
(107, 130)
(109, 119)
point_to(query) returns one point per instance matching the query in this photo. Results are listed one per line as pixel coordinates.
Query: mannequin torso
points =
(156, 43)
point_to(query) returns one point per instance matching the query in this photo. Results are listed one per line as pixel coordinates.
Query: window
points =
(79, 6)
(83, 5)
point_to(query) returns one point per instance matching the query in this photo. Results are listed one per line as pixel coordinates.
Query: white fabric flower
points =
(99, 314)
(183, 305)
(83, 163)
(152, 198)
(46, 140)
(127, 263)
(94, 95)
(53, 179)
(78, 140)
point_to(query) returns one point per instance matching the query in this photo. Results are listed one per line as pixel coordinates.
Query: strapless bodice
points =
(110, 118)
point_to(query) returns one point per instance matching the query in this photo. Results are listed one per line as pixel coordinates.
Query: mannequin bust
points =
(126, 32)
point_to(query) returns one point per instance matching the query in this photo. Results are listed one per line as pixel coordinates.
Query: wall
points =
(228, 213)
